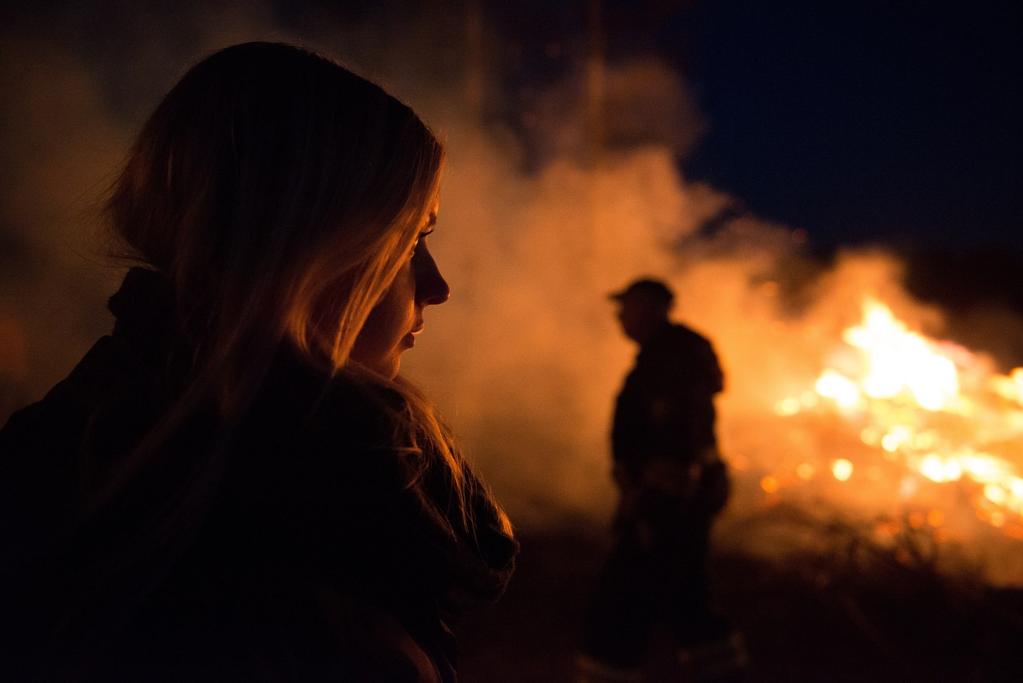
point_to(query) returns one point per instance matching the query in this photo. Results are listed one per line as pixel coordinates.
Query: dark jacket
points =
(299, 542)
(665, 409)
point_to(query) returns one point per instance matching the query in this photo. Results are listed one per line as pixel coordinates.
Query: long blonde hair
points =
(280, 194)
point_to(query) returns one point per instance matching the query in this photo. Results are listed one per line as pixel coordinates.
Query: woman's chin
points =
(390, 367)
(386, 367)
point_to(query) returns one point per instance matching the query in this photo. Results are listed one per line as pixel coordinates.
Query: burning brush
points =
(912, 434)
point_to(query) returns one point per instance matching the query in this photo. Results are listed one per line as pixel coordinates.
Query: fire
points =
(926, 412)
(842, 469)
(900, 361)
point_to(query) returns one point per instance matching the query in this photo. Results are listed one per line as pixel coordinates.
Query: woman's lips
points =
(409, 340)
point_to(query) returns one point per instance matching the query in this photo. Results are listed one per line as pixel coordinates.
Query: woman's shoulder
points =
(108, 368)
(105, 402)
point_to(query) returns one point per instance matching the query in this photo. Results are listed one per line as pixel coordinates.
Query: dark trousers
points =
(656, 573)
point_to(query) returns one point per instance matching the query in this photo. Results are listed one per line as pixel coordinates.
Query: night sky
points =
(894, 122)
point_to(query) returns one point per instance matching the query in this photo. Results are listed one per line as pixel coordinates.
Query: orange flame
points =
(932, 407)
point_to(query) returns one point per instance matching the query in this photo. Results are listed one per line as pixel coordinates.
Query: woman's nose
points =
(431, 287)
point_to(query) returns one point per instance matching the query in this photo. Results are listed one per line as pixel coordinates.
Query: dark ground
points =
(818, 619)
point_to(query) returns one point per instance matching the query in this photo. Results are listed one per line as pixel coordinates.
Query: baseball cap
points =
(649, 289)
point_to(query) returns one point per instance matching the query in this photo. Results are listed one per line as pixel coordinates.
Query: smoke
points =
(526, 357)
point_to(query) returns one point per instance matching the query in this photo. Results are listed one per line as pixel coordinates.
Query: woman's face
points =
(397, 319)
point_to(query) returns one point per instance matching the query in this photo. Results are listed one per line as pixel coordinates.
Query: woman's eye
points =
(421, 240)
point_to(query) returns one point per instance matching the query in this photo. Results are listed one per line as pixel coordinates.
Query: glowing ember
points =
(842, 469)
(932, 412)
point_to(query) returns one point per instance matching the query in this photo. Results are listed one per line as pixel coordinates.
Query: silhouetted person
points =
(672, 483)
(236, 484)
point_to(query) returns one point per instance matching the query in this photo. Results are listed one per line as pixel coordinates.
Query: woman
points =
(237, 484)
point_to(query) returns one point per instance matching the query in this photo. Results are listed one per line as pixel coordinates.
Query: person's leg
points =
(619, 616)
(710, 648)
(686, 577)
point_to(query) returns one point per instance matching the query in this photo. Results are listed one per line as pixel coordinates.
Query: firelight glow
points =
(900, 361)
(842, 469)
(932, 408)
